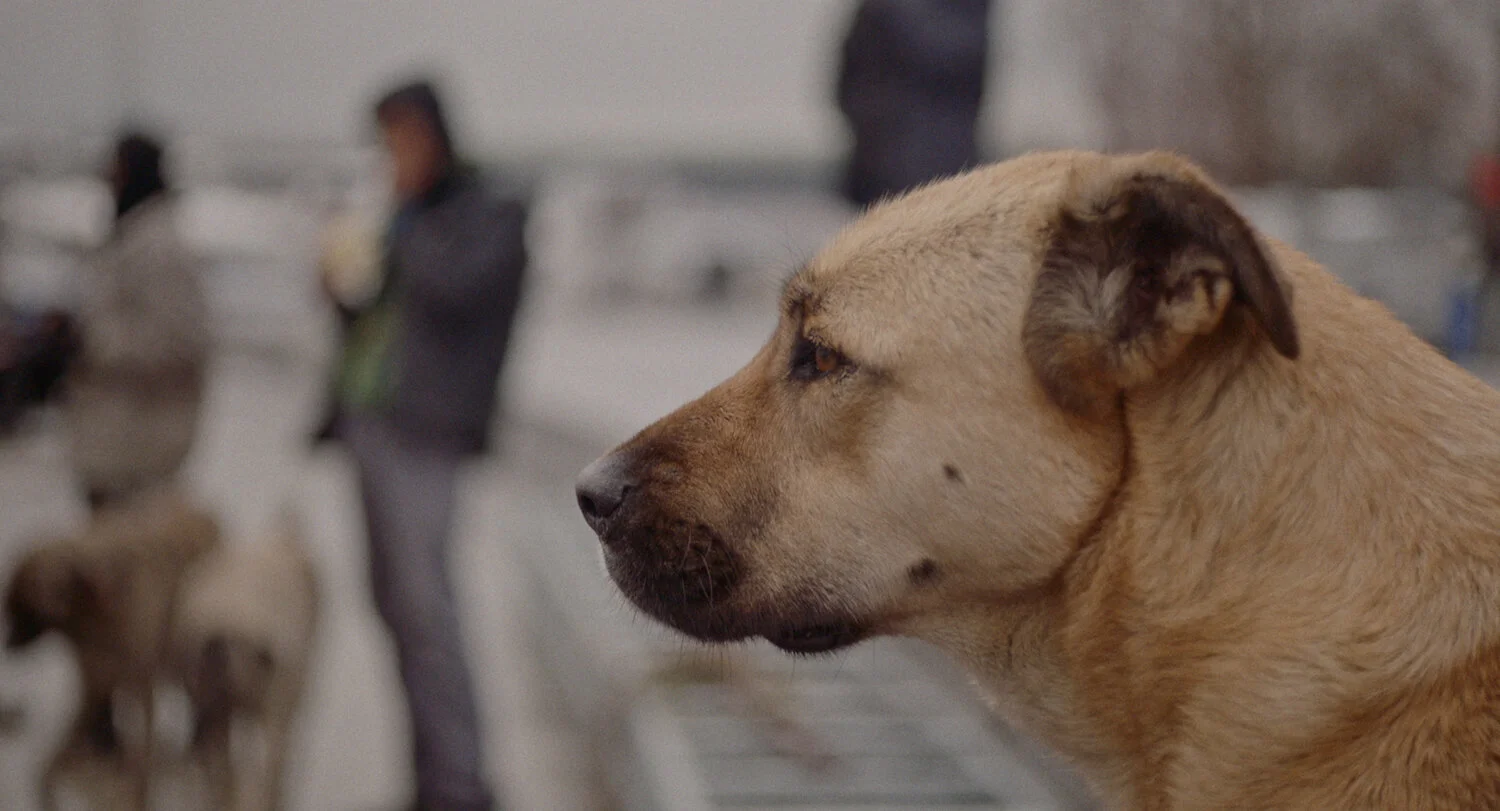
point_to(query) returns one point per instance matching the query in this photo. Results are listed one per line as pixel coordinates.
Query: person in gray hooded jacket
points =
(416, 389)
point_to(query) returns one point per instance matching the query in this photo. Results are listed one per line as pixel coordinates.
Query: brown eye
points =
(825, 360)
(811, 361)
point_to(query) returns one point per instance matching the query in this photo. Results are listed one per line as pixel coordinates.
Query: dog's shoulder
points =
(1434, 745)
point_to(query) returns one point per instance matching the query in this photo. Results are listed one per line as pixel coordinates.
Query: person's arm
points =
(467, 271)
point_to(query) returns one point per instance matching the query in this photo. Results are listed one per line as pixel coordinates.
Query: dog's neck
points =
(1205, 446)
(1244, 468)
(1037, 664)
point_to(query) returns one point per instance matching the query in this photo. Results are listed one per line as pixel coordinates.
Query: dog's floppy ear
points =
(50, 588)
(37, 598)
(25, 623)
(1142, 259)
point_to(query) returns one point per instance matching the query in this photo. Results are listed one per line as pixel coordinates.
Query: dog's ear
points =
(37, 598)
(1141, 260)
(52, 588)
(24, 623)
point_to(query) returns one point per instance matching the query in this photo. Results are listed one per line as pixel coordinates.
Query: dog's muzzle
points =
(672, 567)
(601, 488)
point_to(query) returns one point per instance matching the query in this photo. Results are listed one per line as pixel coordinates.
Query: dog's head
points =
(51, 588)
(80, 584)
(935, 423)
(162, 530)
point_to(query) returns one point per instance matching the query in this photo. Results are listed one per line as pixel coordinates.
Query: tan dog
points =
(1215, 527)
(110, 592)
(243, 640)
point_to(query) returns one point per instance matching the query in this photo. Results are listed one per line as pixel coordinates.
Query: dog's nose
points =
(602, 488)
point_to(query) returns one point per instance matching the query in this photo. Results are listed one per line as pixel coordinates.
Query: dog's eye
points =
(825, 360)
(811, 361)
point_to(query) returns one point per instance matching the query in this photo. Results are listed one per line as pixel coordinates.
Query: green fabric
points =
(367, 370)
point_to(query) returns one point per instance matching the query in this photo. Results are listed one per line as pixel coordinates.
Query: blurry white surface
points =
(260, 248)
(1406, 247)
(36, 275)
(70, 211)
(223, 221)
(1353, 215)
(598, 233)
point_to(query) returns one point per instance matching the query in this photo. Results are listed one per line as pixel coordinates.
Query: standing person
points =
(910, 84)
(134, 391)
(416, 388)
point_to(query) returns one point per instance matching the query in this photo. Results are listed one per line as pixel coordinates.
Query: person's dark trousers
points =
(408, 495)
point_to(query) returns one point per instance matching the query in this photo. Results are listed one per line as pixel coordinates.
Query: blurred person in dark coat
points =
(134, 390)
(911, 81)
(416, 389)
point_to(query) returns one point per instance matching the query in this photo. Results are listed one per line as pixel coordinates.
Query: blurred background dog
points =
(110, 592)
(148, 598)
(242, 640)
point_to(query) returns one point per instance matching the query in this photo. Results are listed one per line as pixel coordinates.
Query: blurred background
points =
(677, 158)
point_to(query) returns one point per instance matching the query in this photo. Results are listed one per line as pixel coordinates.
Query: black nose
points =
(602, 488)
